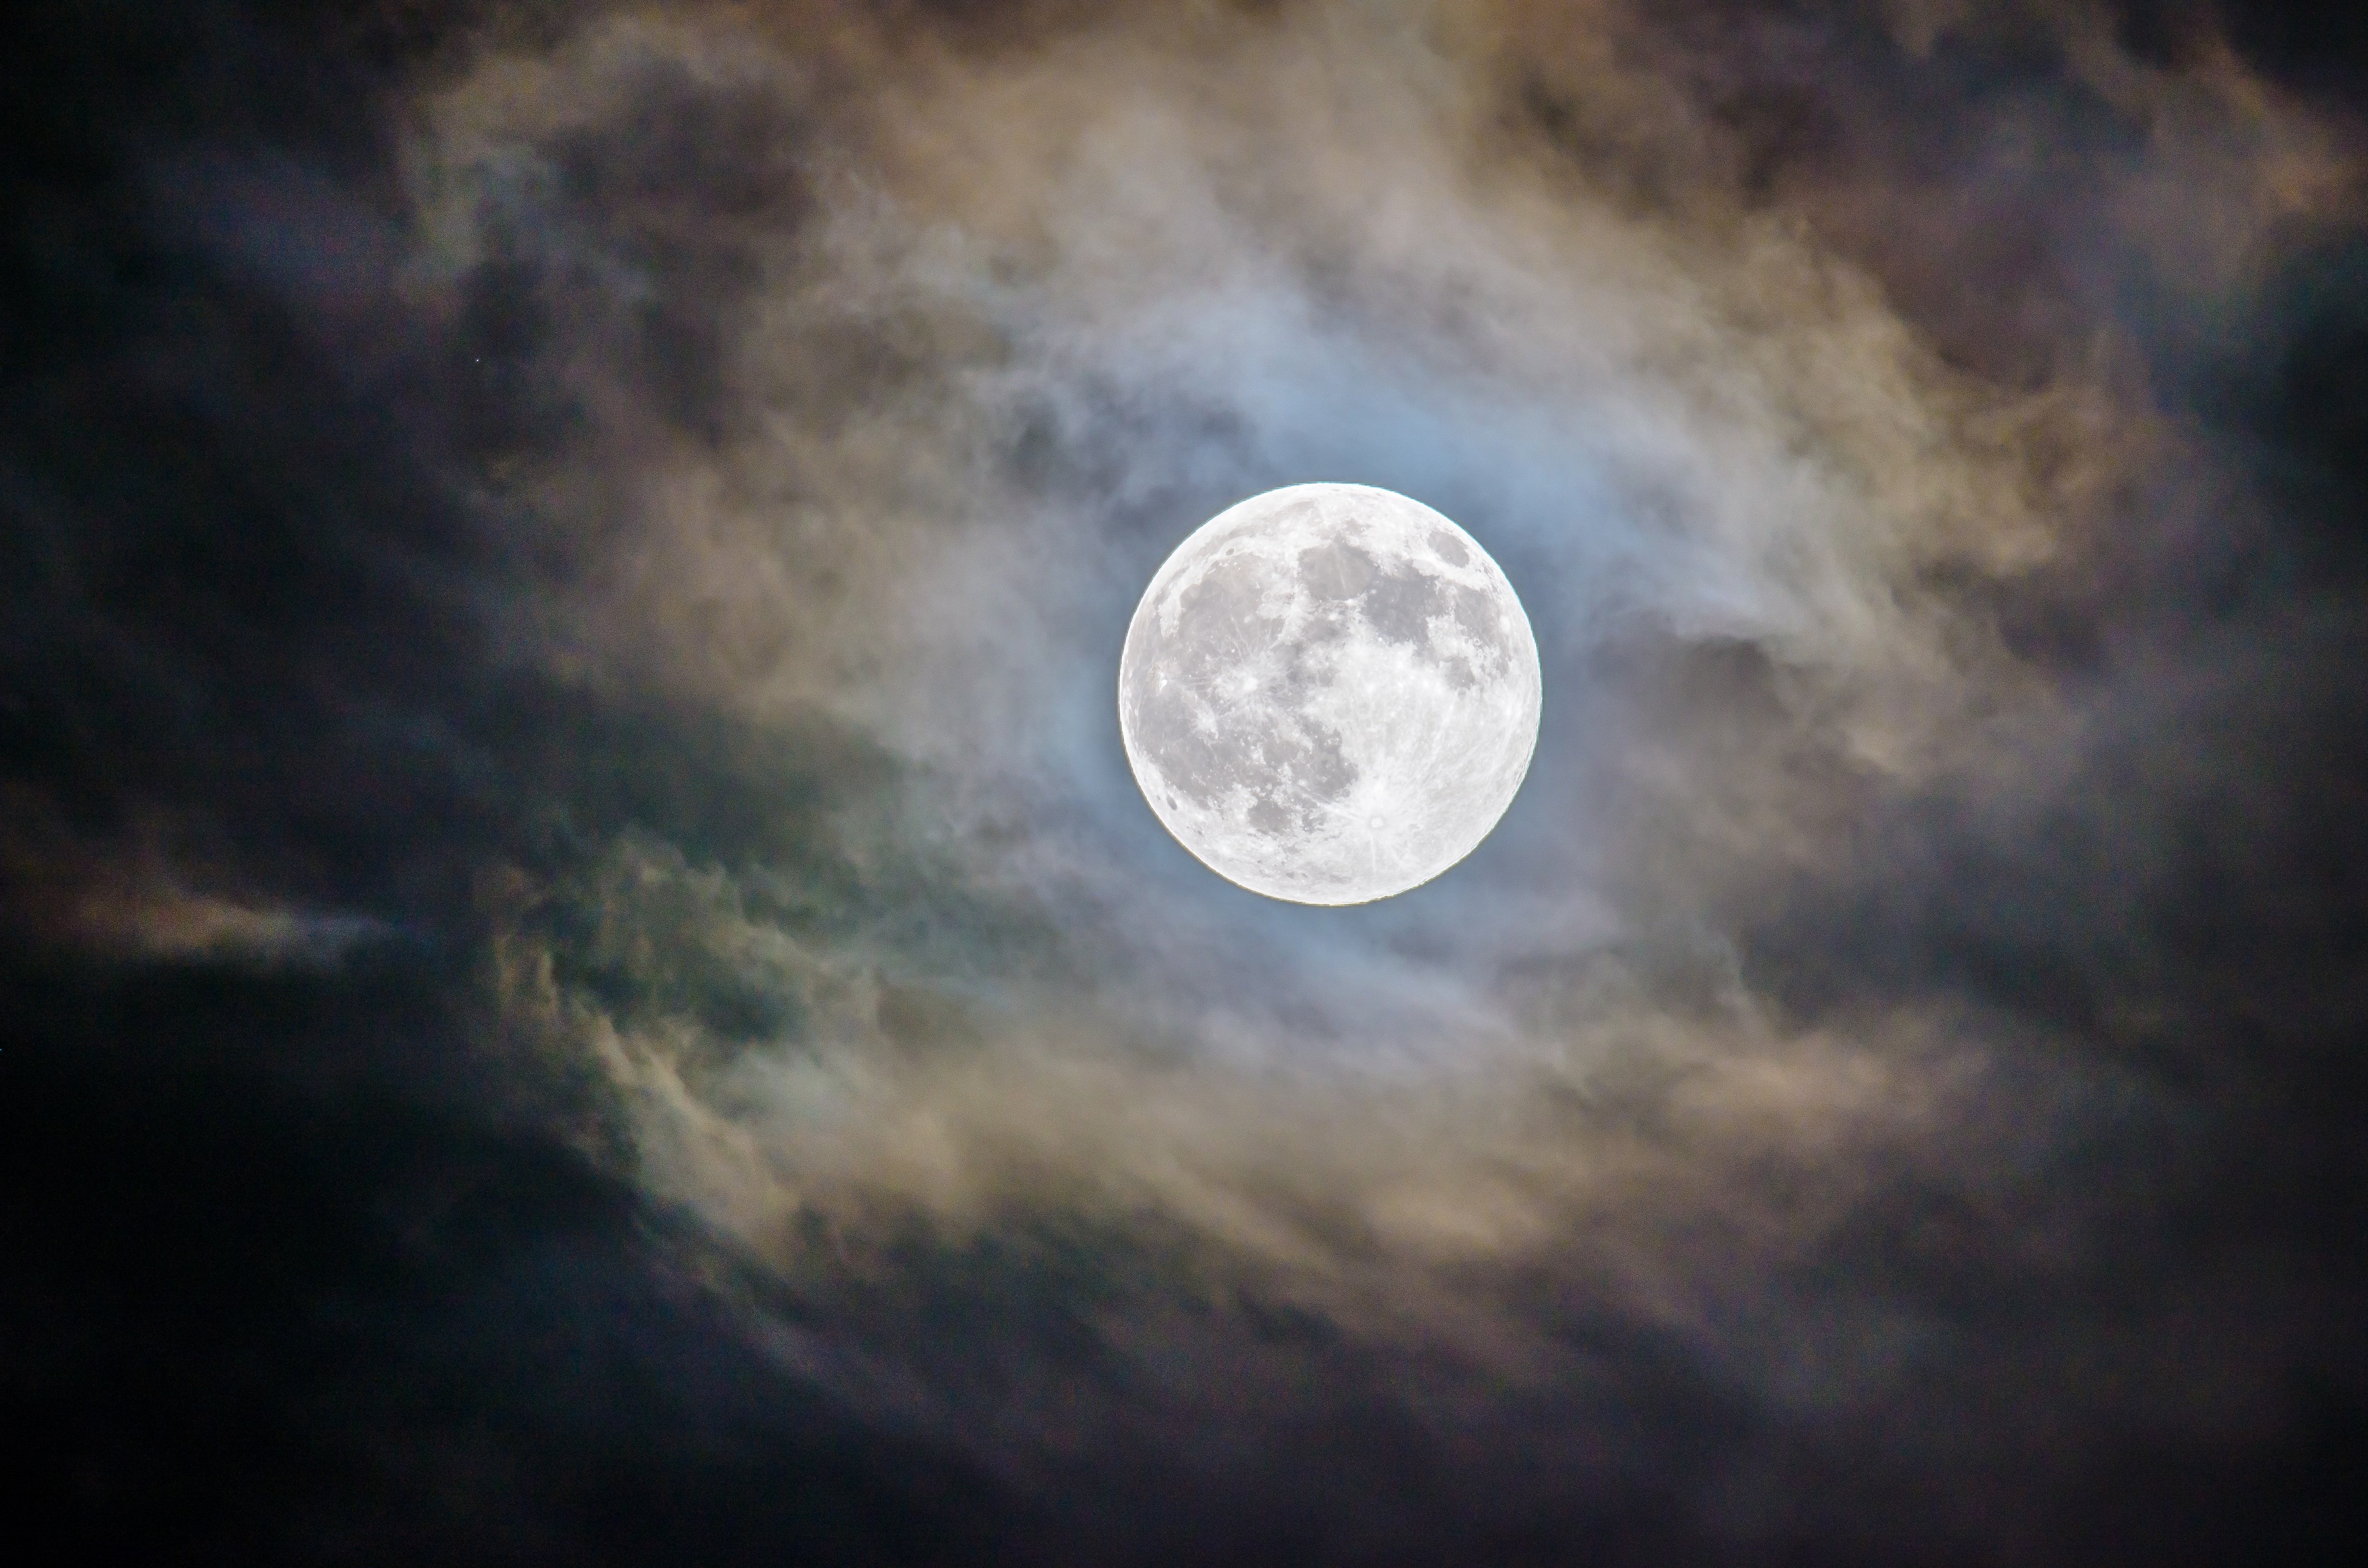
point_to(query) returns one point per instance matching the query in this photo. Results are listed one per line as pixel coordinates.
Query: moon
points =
(1329, 694)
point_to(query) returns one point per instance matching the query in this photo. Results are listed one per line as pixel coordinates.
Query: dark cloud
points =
(586, 980)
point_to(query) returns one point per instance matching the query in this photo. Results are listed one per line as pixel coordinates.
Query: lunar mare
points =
(1329, 694)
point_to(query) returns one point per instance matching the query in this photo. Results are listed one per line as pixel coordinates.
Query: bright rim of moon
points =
(1329, 694)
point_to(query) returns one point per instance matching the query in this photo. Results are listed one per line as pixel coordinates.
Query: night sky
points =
(583, 979)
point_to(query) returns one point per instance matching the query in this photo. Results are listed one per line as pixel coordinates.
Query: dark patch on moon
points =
(1218, 619)
(1336, 571)
(1190, 761)
(1270, 816)
(1448, 548)
(1479, 616)
(1400, 604)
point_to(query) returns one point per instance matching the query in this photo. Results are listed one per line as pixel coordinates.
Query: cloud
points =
(666, 529)
(1035, 313)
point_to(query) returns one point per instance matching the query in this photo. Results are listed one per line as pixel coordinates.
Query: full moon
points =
(1329, 694)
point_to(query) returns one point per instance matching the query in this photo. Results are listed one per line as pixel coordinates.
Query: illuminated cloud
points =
(1857, 1085)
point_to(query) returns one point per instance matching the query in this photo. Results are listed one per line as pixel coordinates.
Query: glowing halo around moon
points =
(1329, 694)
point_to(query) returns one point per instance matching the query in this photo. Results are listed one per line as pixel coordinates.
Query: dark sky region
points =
(583, 979)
